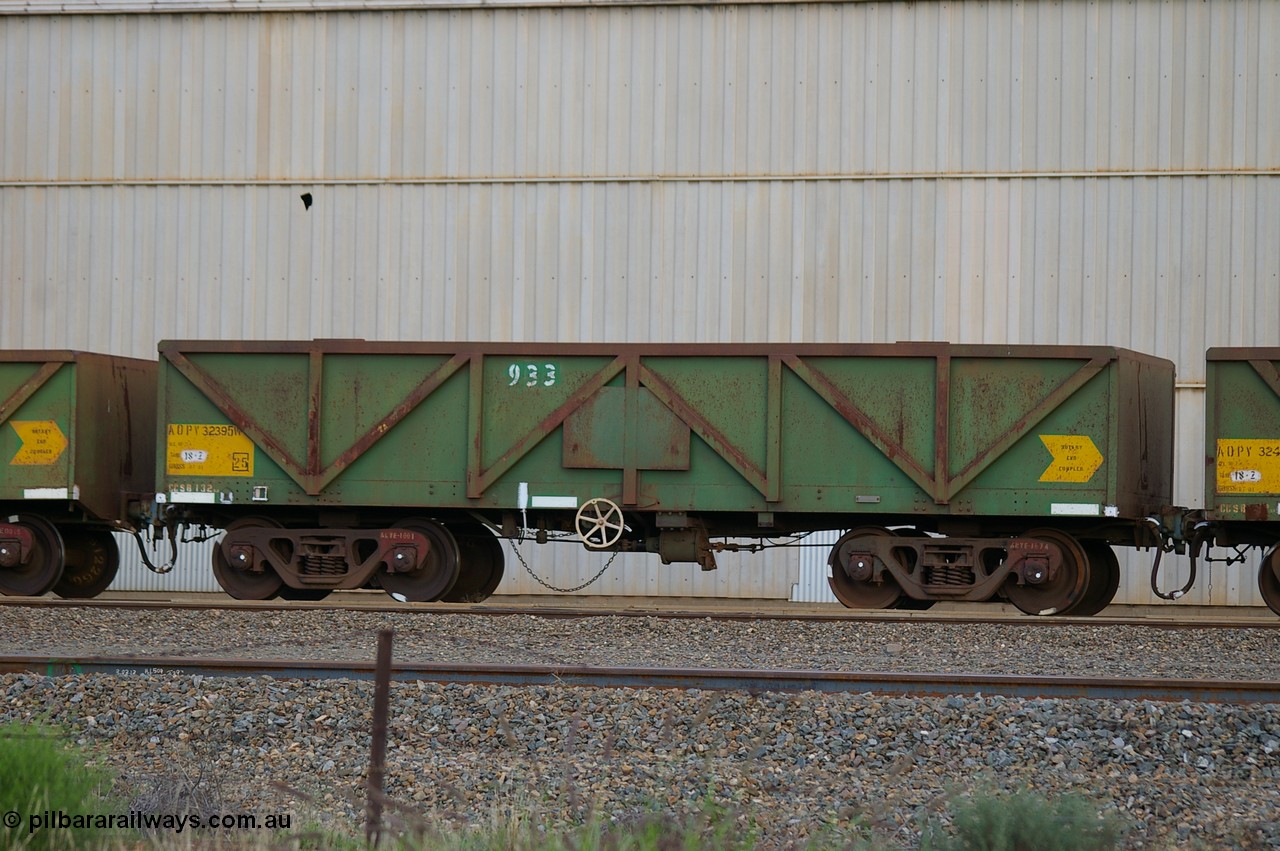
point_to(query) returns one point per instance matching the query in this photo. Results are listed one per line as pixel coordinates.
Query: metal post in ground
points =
(378, 747)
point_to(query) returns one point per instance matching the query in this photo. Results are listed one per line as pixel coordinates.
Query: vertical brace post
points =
(942, 431)
(315, 379)
(630, 429)
(475, 420)
(773, 433)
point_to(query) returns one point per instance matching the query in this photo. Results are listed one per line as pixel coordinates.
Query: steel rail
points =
(713, 679)
(384, 605)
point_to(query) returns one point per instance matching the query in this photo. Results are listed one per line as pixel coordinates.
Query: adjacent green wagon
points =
(1242, 455)
(339, 464)
(77, 437)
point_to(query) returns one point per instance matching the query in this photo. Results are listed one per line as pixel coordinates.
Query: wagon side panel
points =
(907, 430)
(37, 427)
(1242, 439)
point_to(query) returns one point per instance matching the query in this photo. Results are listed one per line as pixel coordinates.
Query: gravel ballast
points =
(796, 765)
(1103, 650)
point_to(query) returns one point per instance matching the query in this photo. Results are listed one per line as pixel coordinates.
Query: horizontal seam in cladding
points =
(646, 178)
(243, 7)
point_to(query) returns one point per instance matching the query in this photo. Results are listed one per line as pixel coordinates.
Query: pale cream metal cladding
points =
(741, 91)
(1034, 172)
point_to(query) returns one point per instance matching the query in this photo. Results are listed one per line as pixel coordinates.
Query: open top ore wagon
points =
(77, 443)
(346, 464)
(1242, 457)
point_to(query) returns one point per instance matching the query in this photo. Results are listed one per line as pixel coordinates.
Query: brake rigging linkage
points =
(142, 551)
(167, 529)
(1171, 540)
(1167, 541)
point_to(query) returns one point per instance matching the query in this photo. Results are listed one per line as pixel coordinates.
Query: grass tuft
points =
(1025, 821)
(711, 829)
(45, 783)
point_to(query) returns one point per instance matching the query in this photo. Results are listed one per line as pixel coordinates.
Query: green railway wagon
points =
(1242, 455)
(77, 438)
(963, 472)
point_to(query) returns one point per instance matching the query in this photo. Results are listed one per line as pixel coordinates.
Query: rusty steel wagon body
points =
(963, 472)
(957, 472)
(77, 438)
(1242, 456)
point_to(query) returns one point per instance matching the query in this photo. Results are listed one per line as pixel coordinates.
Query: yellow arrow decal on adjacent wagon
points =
(42, 442)
(1075, 458)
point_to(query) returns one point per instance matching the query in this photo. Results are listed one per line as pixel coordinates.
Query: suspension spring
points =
(322, 565)
(948, 574)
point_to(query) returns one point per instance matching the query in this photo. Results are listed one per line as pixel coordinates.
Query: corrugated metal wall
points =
(811, 583)
(1056, 172)
(643, 91)
(1167, 265)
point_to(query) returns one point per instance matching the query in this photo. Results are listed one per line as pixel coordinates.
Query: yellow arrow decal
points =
(1075, 458)
(42, 442)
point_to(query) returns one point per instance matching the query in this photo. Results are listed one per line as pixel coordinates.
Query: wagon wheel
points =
(481, 565)
(599, 523)
(1269, 580)
(246, 581)
(1065, 590)
(1104, 579)
(862, 593)
(435, 575)
(43, 567)
(92, 559)
(907, 602)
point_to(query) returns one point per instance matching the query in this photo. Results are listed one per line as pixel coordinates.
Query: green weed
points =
(45, 786)
(1025, 822)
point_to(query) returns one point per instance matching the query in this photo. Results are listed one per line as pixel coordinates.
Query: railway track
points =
(379, 603)
(891, 683)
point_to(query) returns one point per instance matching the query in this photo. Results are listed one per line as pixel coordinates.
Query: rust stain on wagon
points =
(1256, 511)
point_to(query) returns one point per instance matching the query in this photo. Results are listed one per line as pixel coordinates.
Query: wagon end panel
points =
(1144, 433)
(115, 445)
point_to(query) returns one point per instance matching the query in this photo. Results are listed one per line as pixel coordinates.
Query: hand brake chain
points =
(544, 584)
